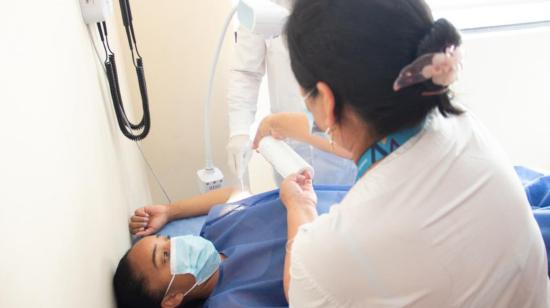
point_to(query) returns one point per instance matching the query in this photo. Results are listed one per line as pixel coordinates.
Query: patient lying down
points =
(237, 261)
(143, 276)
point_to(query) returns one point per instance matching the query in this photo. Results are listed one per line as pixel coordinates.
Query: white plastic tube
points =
(282, 157)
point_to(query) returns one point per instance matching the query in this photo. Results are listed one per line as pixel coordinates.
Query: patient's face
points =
(150, 258)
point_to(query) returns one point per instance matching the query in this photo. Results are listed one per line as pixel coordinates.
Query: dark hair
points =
(358, 47)
(130, 288)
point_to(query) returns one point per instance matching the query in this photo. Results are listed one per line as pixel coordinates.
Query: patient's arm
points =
(150, 219)
(295, 125)
(201, 204)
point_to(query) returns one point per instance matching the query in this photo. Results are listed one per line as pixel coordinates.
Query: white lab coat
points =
(253, 57)
(441, 222)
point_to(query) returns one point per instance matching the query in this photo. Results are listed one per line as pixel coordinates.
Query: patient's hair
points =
(358, 47)
(130, 288)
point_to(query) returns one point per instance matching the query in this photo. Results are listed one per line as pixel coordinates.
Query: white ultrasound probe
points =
(283, 158)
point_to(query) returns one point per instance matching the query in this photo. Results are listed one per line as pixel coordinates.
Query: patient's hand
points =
(148, 220)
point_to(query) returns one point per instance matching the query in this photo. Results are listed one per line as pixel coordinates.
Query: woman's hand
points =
(299, 199)
(148, 220)
(297, 191)
(293, 125)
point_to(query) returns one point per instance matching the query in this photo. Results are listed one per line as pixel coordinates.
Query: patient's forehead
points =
(140, 254)
(143, 244)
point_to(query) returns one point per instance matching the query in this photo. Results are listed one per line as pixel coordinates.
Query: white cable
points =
(208, 101)
(154, 174)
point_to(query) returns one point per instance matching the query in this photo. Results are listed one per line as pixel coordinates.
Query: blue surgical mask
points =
(190, 254)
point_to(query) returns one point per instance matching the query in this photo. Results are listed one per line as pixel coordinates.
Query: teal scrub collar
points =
(382, 149)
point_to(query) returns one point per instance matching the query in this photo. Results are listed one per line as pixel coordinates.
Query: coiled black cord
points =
(126, 126)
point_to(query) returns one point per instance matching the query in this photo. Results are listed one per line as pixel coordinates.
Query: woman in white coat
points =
(437, 217)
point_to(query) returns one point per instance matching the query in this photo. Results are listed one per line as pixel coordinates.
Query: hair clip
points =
(441, 67)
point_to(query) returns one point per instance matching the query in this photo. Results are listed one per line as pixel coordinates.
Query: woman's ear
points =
(172, 300)
(326, 98)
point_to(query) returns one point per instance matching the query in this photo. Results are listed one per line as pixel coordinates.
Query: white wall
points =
(68, 177)
(506, 83)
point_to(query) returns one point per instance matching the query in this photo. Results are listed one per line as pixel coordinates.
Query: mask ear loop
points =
(193, 287)
(170, 285)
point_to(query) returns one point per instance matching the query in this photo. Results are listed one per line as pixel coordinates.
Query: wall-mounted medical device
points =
(96, 12)
(262, 17)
